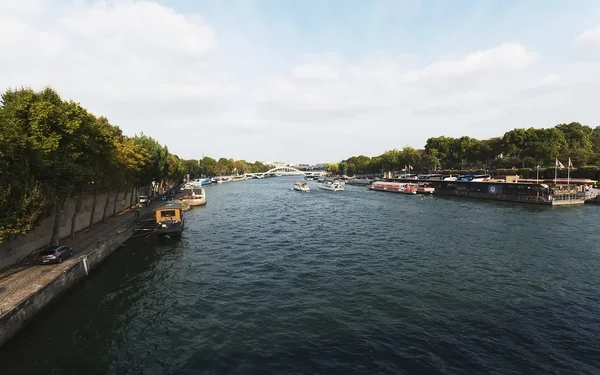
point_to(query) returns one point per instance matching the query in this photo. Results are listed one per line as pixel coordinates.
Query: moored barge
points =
(393, 187)
(169, 221)
(556, 194)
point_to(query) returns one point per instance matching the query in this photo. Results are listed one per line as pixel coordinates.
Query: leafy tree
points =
(51, 149)
(207, 165)
(332, 168)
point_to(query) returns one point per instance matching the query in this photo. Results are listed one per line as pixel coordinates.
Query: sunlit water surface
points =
(270, 280)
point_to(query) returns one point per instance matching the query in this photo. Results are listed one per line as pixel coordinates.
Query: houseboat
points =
(424, 188)
(394, 187)
(169, 221)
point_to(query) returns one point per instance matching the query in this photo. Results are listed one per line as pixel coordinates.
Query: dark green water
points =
(269, 280)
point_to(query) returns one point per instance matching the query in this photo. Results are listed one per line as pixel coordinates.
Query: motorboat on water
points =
(331, 186)
(393, 187)
(169, 221)
(301, 186)
(202, 181)
(196, 198)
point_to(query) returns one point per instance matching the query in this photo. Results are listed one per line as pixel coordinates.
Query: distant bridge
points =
(287, 171)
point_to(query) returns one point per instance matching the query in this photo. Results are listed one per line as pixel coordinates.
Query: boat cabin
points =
(171, 214)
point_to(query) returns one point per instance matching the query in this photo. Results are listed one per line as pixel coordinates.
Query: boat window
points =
(169, 213)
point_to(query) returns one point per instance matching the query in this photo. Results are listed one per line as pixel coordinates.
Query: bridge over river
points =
(286, 171)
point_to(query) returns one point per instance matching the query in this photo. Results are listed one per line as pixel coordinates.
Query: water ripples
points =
(268, 280)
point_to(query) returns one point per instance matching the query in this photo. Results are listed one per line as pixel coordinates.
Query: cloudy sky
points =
(309, 81)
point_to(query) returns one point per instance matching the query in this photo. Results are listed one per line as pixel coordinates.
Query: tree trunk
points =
(93, 208)
(131, 198)
(75, 213)
(106, 205)
(115, 204)
(59, 210)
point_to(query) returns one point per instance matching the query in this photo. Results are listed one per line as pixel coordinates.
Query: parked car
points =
(54, 254)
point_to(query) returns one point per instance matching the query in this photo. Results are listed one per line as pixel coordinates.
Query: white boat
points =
(331, 186)
(301, 186)
(196, 198)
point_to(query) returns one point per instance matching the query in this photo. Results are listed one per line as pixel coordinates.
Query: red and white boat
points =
(393, 187)
(425, 189)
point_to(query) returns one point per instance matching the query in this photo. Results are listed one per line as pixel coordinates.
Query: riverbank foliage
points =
(208, 166)
(518, 148)
(51, 149)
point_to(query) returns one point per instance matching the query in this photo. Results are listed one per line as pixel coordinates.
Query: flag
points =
(559, 164)
(570, 163)
(410, 166)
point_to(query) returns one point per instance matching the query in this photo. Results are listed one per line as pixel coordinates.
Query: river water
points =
(270, 280)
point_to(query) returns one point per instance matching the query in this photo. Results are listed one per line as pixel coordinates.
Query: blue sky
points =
(310, 81)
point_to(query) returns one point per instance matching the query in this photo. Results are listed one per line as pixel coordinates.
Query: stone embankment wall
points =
(76, 216)
(15, 319)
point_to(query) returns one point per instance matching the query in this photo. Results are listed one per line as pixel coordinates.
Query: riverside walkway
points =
(22, 280)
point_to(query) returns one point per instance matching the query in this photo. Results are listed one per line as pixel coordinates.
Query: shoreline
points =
(27, 287)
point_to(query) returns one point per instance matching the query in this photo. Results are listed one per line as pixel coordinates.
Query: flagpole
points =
(537, 176)
(569, 176)
(555, 170)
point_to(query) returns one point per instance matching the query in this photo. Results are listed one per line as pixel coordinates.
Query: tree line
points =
(52, 149)
(517, 148)
(208, 166)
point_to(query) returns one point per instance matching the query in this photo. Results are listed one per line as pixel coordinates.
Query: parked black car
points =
(54, 254)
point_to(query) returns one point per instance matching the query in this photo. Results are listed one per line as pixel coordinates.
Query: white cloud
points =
(383, 102)
(589, 37)
(383, 83)
(152, 68)
(112, 51)
(507, 56)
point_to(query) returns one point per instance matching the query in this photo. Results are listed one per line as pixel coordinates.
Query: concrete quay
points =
(27, 287)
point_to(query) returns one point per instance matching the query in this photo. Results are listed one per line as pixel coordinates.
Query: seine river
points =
(270, 280)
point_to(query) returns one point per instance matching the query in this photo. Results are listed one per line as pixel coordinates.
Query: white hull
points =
(196, 199)
(331, 187)
(300, 186)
